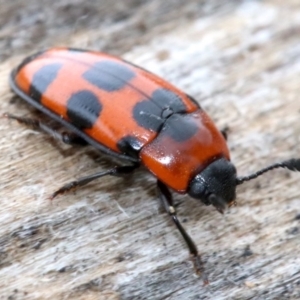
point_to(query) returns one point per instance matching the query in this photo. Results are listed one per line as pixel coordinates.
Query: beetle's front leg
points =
(167, 201)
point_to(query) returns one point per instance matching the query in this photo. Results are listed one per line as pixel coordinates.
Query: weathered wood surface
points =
(110, 240)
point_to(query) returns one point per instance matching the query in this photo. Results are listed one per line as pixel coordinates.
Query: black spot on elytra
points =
(109, 75)
(130, 146)
(152, 113)
(83, 109)
(147, 115)
(179, 127)
(42, 79)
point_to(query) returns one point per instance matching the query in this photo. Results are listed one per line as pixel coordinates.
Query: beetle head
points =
(215, 185)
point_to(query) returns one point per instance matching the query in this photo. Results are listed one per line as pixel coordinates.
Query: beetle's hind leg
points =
(65, 137)
(167, 201)
(116, 171)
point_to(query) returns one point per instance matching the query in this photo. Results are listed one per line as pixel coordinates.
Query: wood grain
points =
(111, 240)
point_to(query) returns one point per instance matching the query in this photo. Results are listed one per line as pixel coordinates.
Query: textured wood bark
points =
(111, 240)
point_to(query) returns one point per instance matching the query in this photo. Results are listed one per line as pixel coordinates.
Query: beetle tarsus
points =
(199, 268)
(64, 189)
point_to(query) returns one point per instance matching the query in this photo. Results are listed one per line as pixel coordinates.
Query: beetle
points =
(129, 113)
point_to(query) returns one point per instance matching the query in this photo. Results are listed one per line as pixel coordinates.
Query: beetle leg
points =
(225, 130)
(116, 171)
(167, 201)
(67, 138)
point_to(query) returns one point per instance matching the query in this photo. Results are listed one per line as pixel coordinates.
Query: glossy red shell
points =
(115, 103)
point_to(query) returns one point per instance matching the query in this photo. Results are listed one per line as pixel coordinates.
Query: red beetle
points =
(127, 112)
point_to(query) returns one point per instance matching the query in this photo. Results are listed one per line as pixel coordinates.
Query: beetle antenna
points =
(291, 164)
